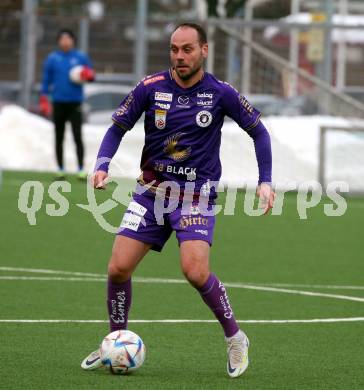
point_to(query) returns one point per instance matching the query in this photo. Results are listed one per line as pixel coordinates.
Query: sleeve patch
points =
(244, 102)
(124, 107)
(153, 79)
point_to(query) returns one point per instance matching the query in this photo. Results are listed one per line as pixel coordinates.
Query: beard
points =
(188, 75)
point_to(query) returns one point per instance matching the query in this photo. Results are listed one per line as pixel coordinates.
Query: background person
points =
(66, 90)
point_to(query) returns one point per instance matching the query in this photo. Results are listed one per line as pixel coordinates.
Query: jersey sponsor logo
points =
(204, 232)
(153, 79)
(184, 100)
(185, 222)
(165, 106)
(160, 119)
(137, 208)
(163, 96)
(244, 102)
(204, 118)
(204, 103)
(170, 148)
(131, 221)
(188, 171)
(205, 95)
(181, 170)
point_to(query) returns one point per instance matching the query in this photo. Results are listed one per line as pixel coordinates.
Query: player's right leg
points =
(126, 254)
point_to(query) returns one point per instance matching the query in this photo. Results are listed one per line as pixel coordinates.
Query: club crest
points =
(204, 118)
(160, 119)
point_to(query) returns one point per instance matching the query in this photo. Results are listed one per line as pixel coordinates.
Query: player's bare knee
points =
(119, 271)
(196, 278)
(195, 273)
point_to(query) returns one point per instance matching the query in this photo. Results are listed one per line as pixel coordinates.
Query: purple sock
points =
(118, 304)
(214, 295)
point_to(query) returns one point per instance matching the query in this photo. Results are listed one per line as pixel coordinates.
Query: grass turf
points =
(277, 249)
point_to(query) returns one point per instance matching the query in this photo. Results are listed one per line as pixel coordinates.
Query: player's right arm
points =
(124, 119)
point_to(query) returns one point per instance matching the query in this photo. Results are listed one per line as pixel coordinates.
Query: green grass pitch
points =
(316, 255)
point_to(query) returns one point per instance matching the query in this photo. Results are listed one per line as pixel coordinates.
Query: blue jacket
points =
(56, 79)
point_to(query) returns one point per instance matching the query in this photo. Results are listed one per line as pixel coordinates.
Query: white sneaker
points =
(237, 354)
(92, 361)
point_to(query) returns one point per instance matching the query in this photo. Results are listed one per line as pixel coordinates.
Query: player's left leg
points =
(76, 124)
(195, 266)
(59, 119)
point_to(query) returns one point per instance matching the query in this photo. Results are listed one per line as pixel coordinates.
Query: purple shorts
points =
(145, 222)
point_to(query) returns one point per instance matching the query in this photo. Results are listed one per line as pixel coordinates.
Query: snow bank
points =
(27, 144)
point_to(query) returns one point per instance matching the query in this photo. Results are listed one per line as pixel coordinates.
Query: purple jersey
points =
(183, 126)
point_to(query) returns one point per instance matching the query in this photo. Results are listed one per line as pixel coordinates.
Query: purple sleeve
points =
(237, 107)
(109, 146)
(131, 107)
(263, 152)
(124, 118)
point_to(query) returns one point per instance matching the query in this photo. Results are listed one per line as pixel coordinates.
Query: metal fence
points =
(113, 43)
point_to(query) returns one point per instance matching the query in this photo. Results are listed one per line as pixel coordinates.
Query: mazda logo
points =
(183, 100)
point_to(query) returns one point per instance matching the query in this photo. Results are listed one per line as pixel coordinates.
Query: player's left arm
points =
(247, 117)
(263, 152)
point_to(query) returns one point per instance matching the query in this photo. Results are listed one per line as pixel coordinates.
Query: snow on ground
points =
(26, 143)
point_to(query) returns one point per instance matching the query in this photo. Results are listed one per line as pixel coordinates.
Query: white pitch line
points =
(186, 321)
(159, 280)
(259, 288)
(182, 281)
(323, 286)
(53, 278)
(297, 292)
(49, 271)
(137, 279)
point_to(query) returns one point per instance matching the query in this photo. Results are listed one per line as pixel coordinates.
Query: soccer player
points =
(67, 96)
(184, 111)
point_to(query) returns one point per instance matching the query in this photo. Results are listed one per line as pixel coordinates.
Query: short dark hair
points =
(202, 37)
(68, 32)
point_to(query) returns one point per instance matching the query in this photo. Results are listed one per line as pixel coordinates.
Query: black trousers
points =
(62, 113)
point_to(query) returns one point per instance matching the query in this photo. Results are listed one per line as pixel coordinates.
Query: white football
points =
(75, 74)
(122, 351)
